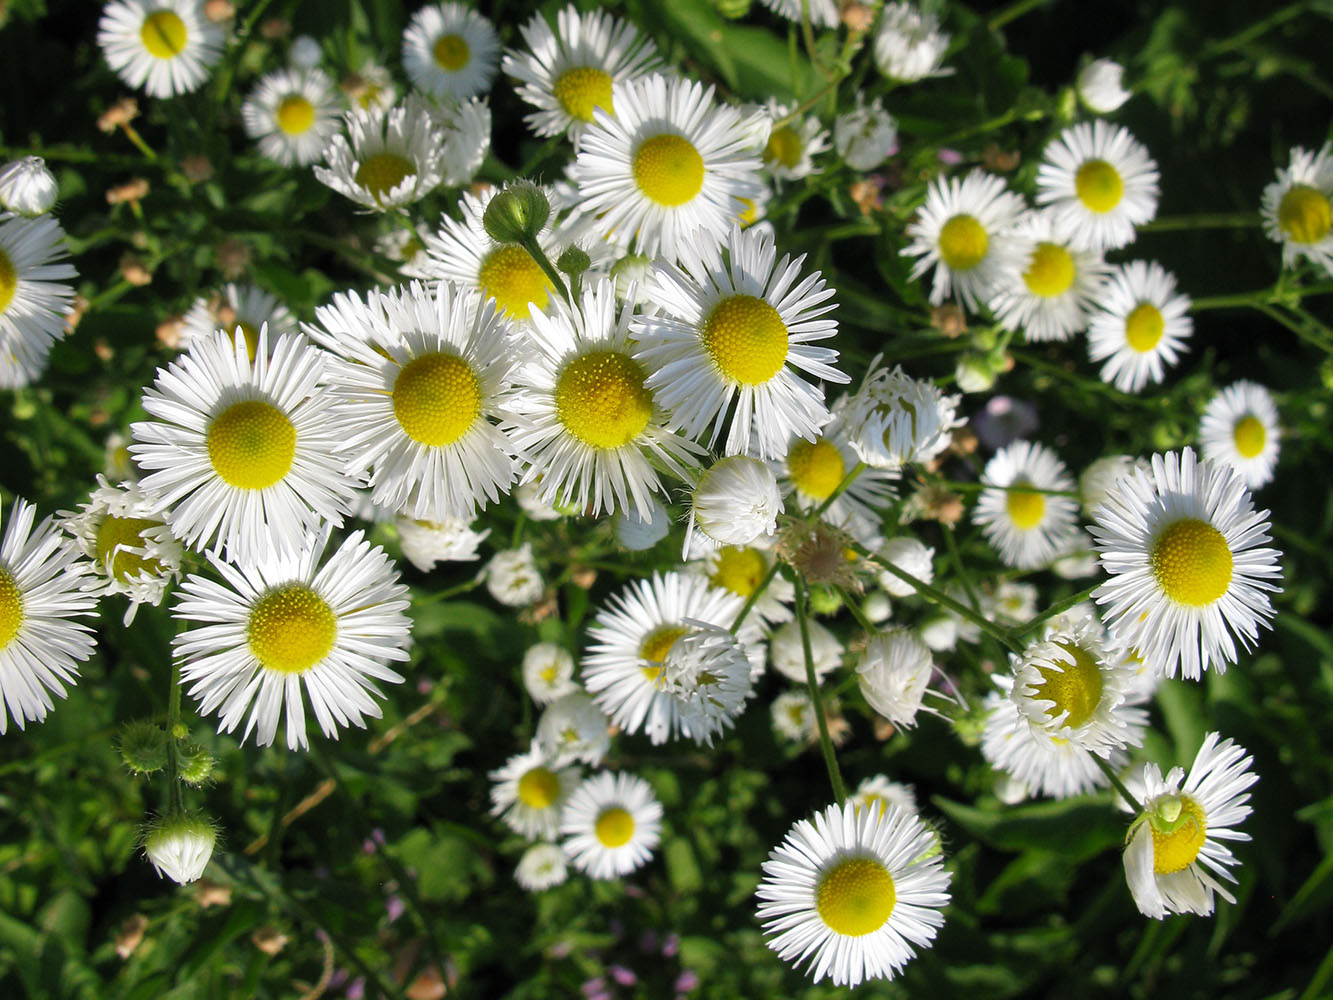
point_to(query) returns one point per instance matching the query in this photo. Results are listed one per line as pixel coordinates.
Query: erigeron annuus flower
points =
(450, 51)
(736, 502)
(304, 52)
(1097, 480)
(293, 113)
(786, 651)
(512, 577)
(896, 420)
(121, 530)
(370, 86)
(574, 728)
(1185, 551)
(1099, 86)
(894, 673)
(163, 47)
(593, 434)
(709, 675)
(34, 295)
(813, 469)
(27, 187)
(878, 792)
(247, 307)
(909, 45)
(1298, 208)
(1098, 182)
(465, 130)
(568, 72)
(853, 890)
(1021, 510)
(823, 13)
(548, 672)
(1240, 428)
(671, 161)
(740, 569)
(1047, 288)
(866, 136)
(611, 825)
(735, 322)
(427, 542)
(791, 147)
(911, 556)
(793, 716)
(388, 157)
(962, 231)
(529, 792)
(1174, 850)
(1141, 327)
(42, 593)
(541, 867)
(413, 399)
(180, 844)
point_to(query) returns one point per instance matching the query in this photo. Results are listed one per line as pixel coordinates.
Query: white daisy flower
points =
(1028, 525)
(242, 452)
(512, 577)
(709, 674)
(180, 845)
(1099, 86)
(534, 507)
(1175, 848)
(878, 792)
(427, 542)
(1100, 477)
(853, 890)
(293, 113)
(909, 45)
(121, 529)
(573, 728)
(866, 136)
(163, 47)
(450, 51)
(1182, 548)
(34, 296)
(790, 150)
(1240, 428)
(1099, 183)
(963, 232)
(611, 825)
(1011, 603)
(740, 569)
(812, 470)
(1298, 208)
(1141, 326)
(568, 72)
(244, 307)
(465, 127)
(1047, 288)
(787, 652)
(583, 419)
(529, 792)
(283, 621)
(629, 646)
(541, 867)
(27, 187)
(736, 502)
(43, 588)
(548, 672)
(370, 87)
(794, 717)
(894, 673)
(823, 13)
(670, 161)
(912, 557)
(389, 157)
(895, 419)
(413, 399)
(739, 327)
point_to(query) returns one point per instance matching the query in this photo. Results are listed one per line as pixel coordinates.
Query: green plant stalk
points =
(544, 262)
(174, 804)
(754, 596)
(816, 699)
(1058, 608)
(1201, 220)
(838, 490)
(1013, 12)
(1118, 785)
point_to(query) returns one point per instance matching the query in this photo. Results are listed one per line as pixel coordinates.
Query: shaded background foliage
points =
(394, 866)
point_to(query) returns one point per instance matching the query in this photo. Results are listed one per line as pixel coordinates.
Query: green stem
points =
(816, 699)
(1058, 608)
(951, 543)
(133, 135)
(1118, 784)
(174, 804)
(544, 262)
(1311, 337)
(754, 596)
(839, 490)
(866, 624)
(1014, 11)
(1253, 31)
(1203, 220)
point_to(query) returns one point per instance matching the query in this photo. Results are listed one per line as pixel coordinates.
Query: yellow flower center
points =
(295, 114)
(614, 827)
(1303, 214)
(855, 897)
(746, 339)
(1144, 327)
(451, 53)
(601, 400)
(539, 788)
(1050, 272)
(115, 532)
(1026, 508)
(668, 169)
(738, 569)
(784, 147)
(1249, 436)
(583, 88)
(1075, 688)
(510, 276)
(251, 444)
(872, 800)
(11, 608)
(655, 646)
(816, 467)
(1177, 842)
(9, 281)
(291, 629)
(1099, 186)
(436, 398)
(1192, 562)
(749, 210)
(250, 334)
(163, 34)
(383, 172)
(549, 674)
(963, 243)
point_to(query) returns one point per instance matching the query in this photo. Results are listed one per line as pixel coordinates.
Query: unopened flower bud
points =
(195, 763)
(143, 747)
(516, 214)
(180, 844)
(27, 187)
(573, 261)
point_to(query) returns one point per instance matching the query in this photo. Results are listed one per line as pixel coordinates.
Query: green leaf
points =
(1073, 828)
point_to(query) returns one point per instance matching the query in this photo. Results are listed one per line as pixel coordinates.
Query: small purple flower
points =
(622, 975)
(950, 156)
(357, 990)
(687, 981)
(595, 989)
(671, 945)
(395, 907)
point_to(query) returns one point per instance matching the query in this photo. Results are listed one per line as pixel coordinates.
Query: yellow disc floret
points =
(1050, 272)
(436, 398)
(746, 339)
(1304, 214)
(539, 788)
(11, 607)
(614, 827)
(1075, 687)
(963, 242)
(1144, 327)
(1249, 436)
(510, 276)
(583, 88)
(9, 281)
(738, 569)
(1026, 508)
(655, 646)
(295, 114)
(291, 629)
(1099, 186)
(601, 400)
(451, 53)
(784, 147)
(383, 172)
(1179, 829)
(668, 169)
(163, 34)
(816, 467)
(855, 897)
(114, 536)
(251, 444)
(1192, 562)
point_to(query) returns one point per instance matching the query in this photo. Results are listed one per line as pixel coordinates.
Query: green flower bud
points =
(143, 747)
(824, 601)
(573, 261)
(732, 10)
(196, 764)
(516, 214)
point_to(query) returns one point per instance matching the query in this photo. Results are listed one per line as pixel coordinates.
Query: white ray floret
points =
(1298, 208)
(896, 420)
(1027, 523)
(293, 114)
(450, 51)
(1240, 428)
(611, 825)
(1098, 182)
(389, 157)
(35, 295)
(909, 45)
(1141, 326)
(163, 47)
(529, 792)
(248, 307)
